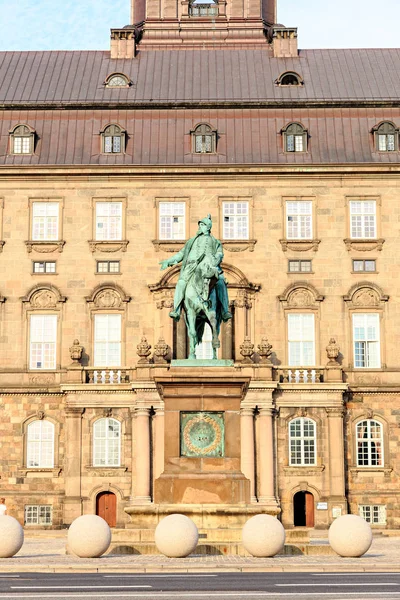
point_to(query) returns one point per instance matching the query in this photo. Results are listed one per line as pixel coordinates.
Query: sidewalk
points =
(48, 555)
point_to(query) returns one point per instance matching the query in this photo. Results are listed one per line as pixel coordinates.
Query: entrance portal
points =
(303, 509)
(106, 507)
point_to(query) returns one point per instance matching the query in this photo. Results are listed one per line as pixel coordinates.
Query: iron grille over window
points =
(22, 140)
(386, 137)
(204, 139)
(295, 138)
(113, 140)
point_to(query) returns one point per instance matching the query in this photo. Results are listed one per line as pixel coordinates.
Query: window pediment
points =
(108, 296)
(365, 295)
(301, 295)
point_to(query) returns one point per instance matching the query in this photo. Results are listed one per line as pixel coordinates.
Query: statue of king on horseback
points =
(201, 289)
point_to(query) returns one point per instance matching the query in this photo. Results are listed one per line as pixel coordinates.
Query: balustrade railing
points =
(301, 374)
(107, 375)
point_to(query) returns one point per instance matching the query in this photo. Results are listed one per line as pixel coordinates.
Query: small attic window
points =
(386, 137)
(289, 78)
(204, 139)
(117, 80)
(113, 139)
(294, 138)
(22, 140)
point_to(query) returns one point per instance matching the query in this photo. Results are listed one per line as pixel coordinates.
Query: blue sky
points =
(85, 24)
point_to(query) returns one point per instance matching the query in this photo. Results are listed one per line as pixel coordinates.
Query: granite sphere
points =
(263, 535)
(350, 535)
(11, 536)
(176, 536)
(89, 536)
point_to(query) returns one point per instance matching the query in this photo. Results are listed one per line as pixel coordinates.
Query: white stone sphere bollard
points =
(263, 536)
(11, 536)
(89, 536)
(176, 536)
(350, 535)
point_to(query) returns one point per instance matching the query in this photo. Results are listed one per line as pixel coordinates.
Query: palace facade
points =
(108, 160)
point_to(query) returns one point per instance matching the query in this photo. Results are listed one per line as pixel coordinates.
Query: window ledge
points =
(300, 245)
(39, 472)
(304, 469)
(45, 246)
(168, 245)
(106, 471)
(300, 273)
(364, 272)
(386, 471)
(364, 245)
(239, 245)
(108, 245)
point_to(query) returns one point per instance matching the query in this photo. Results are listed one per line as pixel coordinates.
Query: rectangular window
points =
(301, 338)
(38, 514)
(298, 220)
(364, 266)
(44, 267)
(172, 220)
(108, 221)
(366, 340)
(43, 341)
(386, 142)
(107, 266)
(22, 145)
(374, 513)
(363, 219)
(107, 340)
(45, 217)
(299, 266)
(235, 220)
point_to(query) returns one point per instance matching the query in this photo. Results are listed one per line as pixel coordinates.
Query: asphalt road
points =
(192, 586)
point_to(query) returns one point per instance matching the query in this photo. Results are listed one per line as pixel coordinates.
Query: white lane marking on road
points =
(173, 575)
(76, 587)
(331, 584)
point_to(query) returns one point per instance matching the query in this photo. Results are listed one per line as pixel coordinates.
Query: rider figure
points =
(201, 250)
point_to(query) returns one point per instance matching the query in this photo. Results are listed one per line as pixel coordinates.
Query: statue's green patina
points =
(201, 288)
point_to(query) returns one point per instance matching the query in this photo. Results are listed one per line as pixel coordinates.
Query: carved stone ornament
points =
(301, 298)
(364, 245)
(143, 351)
(43, 299)
(164, 299)
(300, 245)
(45, 247)
(366, 297)
(2, 242)
(264, 350)
(300, 295)
(247, 351)
(332, 350)
(301, 412)
(161, 350)
(40, 415)
(75, 352)
(108, 299)
(107, 413)
(239, 245)
(109, 247)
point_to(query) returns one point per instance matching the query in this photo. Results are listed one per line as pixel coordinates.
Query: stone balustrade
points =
(286, 374)
(107, 375)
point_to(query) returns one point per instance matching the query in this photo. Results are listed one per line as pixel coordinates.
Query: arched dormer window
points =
(289, 78)
(117, 80)
(106, 443)
(369, 435)
(113, 140)
(386, 137)
(302, 442)
(203, 8)
(294, 138)
(22, 140)
(204, 139)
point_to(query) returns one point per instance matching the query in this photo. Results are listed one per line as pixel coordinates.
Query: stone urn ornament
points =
(75, 352)
(247, 351)
(265, 350)
(161, 350)
(143, 351)
(332, 351)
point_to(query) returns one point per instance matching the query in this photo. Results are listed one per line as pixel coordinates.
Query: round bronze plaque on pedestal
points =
(202, 434)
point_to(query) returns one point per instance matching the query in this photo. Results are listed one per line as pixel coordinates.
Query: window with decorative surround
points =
(108, 225)
(375, 514)
(107, 340)
(294, 138)
(301, 339)
(45, 225)
(38, 514)
(235, 216)
(366, 340)
(172, 220)
(298, 220)
(117, 80)
(302, 442)
(386, 137)
(106, 443)
(362, 219)
(22, 140)
(204, 139)
(40, 444)
(369, 436)
(113, 139)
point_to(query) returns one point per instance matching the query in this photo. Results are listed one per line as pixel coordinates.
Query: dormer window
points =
(113, 140)
(22, 140)
(203, 8)
(204, 139)
(289, 78)
(117, 80)
(294, 138)
(386, 137)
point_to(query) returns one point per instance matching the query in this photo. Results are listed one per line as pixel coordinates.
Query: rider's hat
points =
(207, 221)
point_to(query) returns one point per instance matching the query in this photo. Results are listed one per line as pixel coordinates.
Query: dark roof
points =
(36, 78)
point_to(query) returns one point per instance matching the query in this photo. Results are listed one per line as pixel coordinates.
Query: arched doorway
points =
(303, 509)
(106, 507)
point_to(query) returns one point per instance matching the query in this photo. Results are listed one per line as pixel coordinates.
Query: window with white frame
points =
(301, 339)
(43, 341)
(107, 340)
(375, 514)
(38, 514)
(172, 220)
(363, 219)
(235, 220)
(40, 444)
(45, 221)
(369, 434)
(298, 220)
(204, 350)
(46, 266)
(302, 441)
(295, 138)
(22, 140)
(108, 221)
(106, 443)
(366, 340)
(386, 137)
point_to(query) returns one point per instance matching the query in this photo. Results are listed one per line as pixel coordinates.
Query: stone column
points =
(142, 455)
(266, 457)
(336, 452)
(72, 464)
(159, 442)
(247, 457)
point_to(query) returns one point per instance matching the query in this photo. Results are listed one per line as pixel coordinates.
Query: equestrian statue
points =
(201, 289)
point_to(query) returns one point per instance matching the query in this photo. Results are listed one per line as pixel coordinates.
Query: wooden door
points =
(309, 510)
(106, 507)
